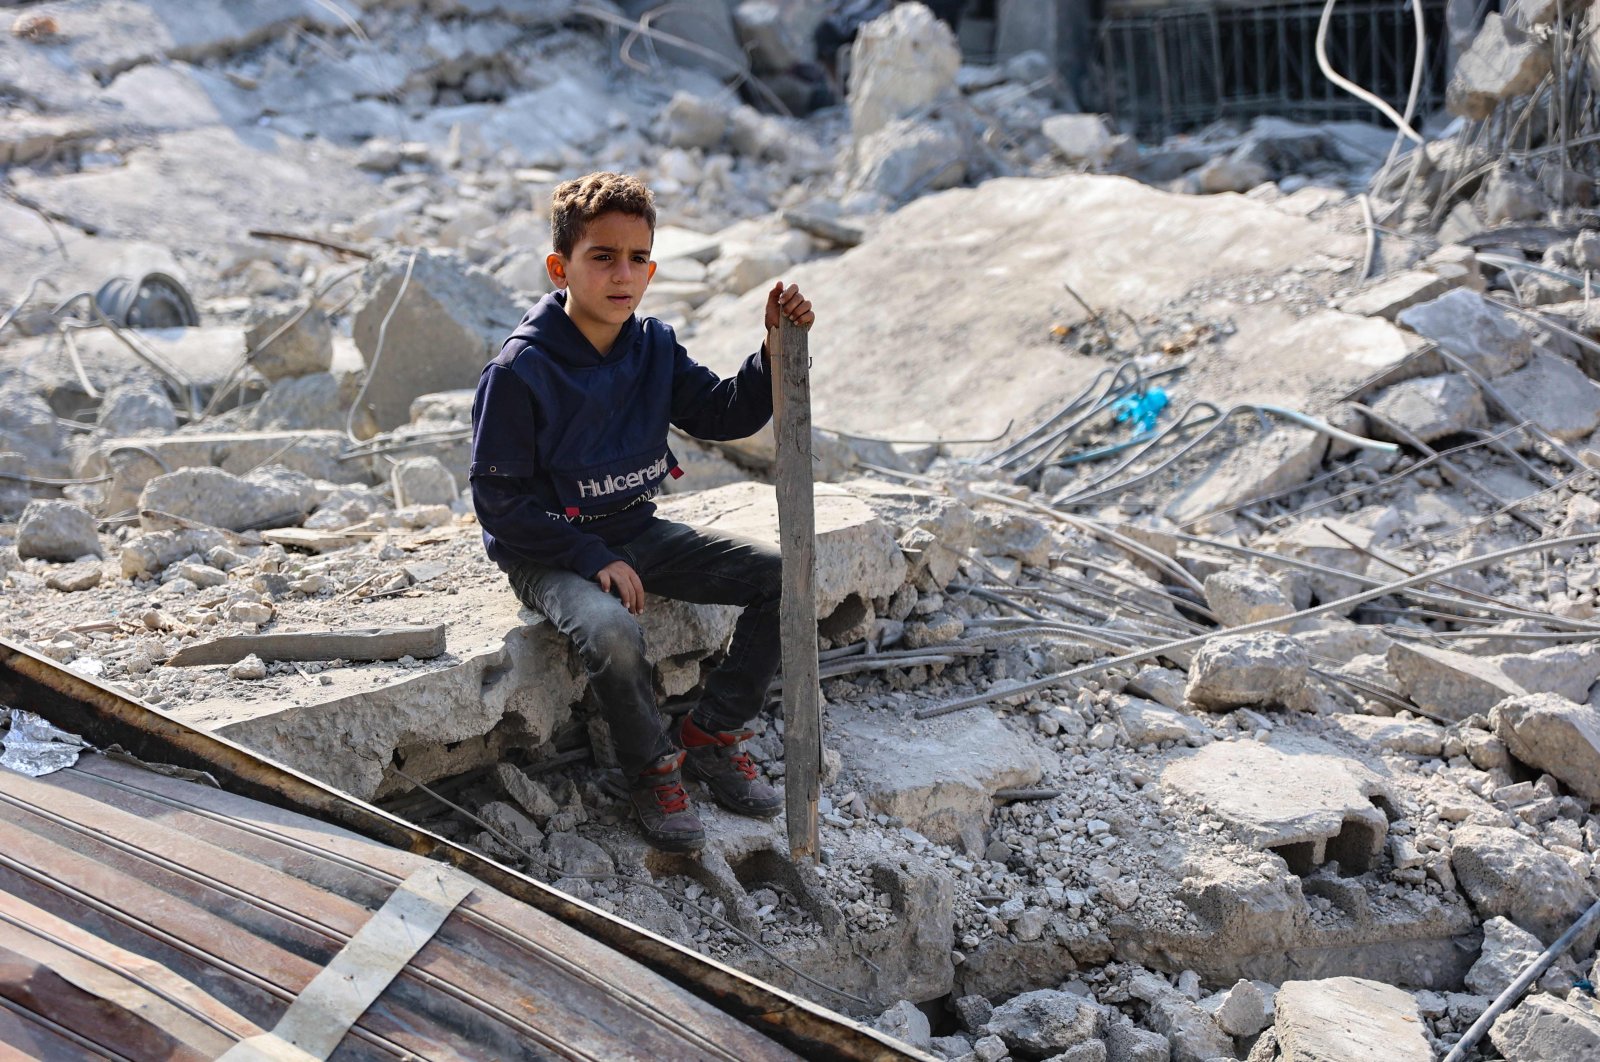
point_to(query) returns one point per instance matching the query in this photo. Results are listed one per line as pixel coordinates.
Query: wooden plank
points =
(386, 643)
(802, 722)
(310, 539)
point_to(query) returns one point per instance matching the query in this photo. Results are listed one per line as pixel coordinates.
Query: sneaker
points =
(663, 807)
(718, 759)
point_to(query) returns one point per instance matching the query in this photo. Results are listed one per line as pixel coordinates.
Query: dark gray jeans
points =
(688, 564)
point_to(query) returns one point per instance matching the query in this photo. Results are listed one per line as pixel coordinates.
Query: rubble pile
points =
(1207, 585)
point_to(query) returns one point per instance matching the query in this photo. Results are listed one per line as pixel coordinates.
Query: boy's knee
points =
(616, 639)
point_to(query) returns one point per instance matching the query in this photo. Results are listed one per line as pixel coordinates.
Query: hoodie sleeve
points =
(505, 473)
(711, 408)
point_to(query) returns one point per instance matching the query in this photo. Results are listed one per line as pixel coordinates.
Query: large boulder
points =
(1505, 873)
(902, 62)
(1553, 734)
(451, 319)
(57, 531)
(1238, 670)
(1503, 62)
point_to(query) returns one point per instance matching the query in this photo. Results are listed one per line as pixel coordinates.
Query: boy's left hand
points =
(788, 302)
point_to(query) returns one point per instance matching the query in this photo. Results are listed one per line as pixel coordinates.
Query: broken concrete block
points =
(1473, 329)
(1046, 1022)
(1556, 395)
(316, 401)
(1547, 1028)
(1233, 671)
(905, 1022)
(28, 425)
(778, 36)
(452, 320)
(1431, 407)
(1303, 800)
(58, 531)
(1242, 1010)
(1387, 298)
(934, 530)
(1416, 737)
(75, 577)
(575, 856)
(1281, 458)
(135, 408)
(1229, 173)
(1148, 723)
(149, 554)
(1454, 685)
(900, 63)
(691, 121)
(1081, 139)
(423, 481)
(512, 825)
(1553, 734)
(1192, 1034)
(1349, 1019)
(273, 497)
(708, 23)
(1126, 1042)
(908, 157)
(1160, 684)
(1011, 533)
(1507, 951)
(1245, 595)
(921, 776)
(302, 347)
(742, 268)
(1502, 62)
(1505, 873)
(1328, 543)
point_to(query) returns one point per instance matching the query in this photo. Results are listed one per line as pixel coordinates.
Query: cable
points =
(377, 352)
(1350, 86)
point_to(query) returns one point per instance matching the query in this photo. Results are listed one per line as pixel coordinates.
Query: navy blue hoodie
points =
(568, 447)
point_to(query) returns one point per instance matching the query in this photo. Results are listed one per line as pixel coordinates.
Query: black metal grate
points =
(1167, 71)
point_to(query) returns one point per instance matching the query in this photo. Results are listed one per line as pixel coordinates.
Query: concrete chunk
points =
(1505, 873)
(1232, 671)
(1305, 800)
(1387, 298)
(1556, 395)
(1349, 1019)
(1278, 459)
(1449, 685)
(1431, 407)
(1245, 595)
(1546, 1028)
(901, 62)
(221, 499)
(1502, 62)
(1415, 736)
(1148, 723)
(1045, 1022)
(1473, 329)
(1551, 733)
(57, 531)
(1507, 951)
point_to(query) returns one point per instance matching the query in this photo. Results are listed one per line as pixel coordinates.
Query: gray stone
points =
(1387, 298)
(1010, 533)
(1431, 407)
(57, 531)
(1328, 543)
(778, 35)
(691, 121)
(530, 794)
(27, 424)
(575, 856)
(744, 268)
(1268, 462)
(905, 1022)
(1238, 670)
(1160, 684)
(1502, 62)
(1148, 723)
(1228, 173)
(1556, 735)
(1505, 873)
(973, 1012)
(252, 668)
(1349, 1019)
(1045, 1022)
(423, 481)
(905, 158)
(1507, 951)
(1081, 139)
(1126, 1042)
(452, 319)
(1455, 685)
(1473, 329)
(1088, 1051)
(147, 555)
(135, 408)
(75, 577)
(1546, 1028)
(1191, 1034)
(1245, 595)
(1242, 1010)
(513, 826)
(266, 498)
(1298, 797)
(306, 346)
(303, 403)
(901, 62)
(708, 23)
(989, 1048)
(1556, 395)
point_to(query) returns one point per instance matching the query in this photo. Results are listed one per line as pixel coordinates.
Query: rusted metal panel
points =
(106, 717)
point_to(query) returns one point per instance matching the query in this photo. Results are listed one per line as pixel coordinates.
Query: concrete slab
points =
(1349, 1019)
(1266, 463)
(1299, 797)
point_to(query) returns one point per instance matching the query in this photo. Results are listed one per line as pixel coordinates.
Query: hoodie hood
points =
(547, 327)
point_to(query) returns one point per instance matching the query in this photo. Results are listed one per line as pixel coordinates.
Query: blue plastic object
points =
(1141, 410)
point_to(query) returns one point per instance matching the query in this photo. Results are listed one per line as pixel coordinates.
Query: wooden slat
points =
(390, 643)
(797, 520)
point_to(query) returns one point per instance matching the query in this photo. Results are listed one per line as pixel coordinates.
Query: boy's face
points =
(607, 272)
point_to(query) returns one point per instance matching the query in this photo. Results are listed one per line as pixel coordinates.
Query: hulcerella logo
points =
(612, 484)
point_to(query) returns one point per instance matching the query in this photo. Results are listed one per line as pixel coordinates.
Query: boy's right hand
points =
(620, 579)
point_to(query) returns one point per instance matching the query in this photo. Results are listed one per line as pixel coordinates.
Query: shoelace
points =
(742, 761)
(671, 798)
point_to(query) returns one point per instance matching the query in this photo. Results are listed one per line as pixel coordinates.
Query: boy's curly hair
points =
(579, 201)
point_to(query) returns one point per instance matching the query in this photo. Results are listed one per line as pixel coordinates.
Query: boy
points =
(569, 445)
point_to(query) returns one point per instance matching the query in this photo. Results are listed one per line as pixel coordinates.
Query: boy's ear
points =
(652, 274)
(556, 266)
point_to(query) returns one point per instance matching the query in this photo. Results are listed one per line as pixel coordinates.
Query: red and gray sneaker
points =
(663, 807)
(719, 760)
